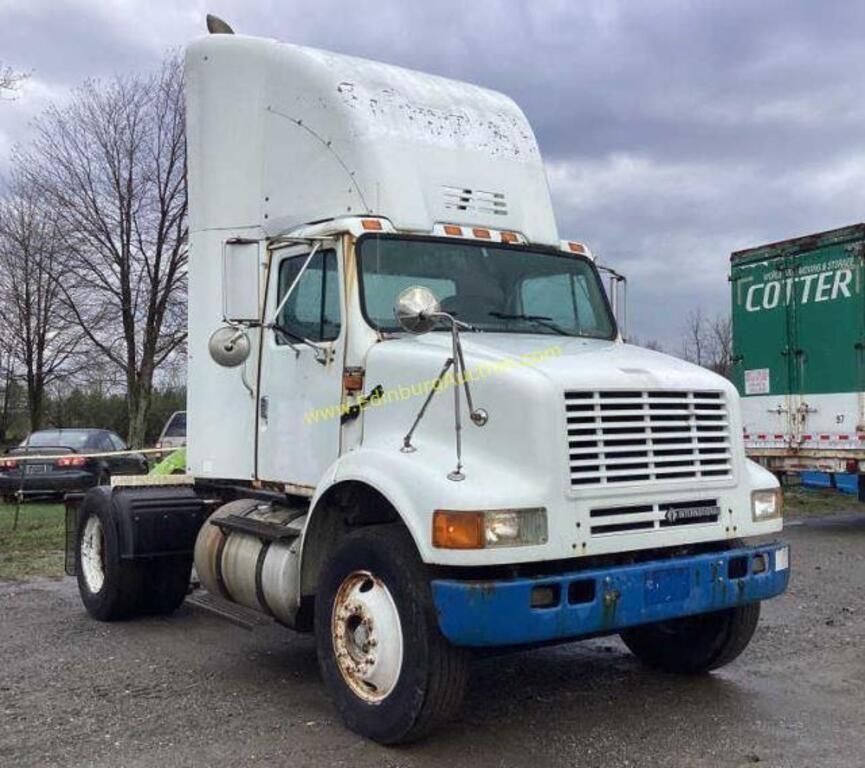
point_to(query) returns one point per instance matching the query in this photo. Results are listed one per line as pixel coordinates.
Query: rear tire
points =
(391, 673)
(694, 644)
(110, 588)
(166, 583)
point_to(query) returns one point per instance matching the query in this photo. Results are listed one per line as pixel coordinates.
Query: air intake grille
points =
(616, 438)
(653, 517)
(475, 200)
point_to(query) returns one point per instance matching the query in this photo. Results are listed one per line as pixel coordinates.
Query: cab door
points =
(300, 384)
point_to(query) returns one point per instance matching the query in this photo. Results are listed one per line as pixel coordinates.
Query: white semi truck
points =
(413, 426)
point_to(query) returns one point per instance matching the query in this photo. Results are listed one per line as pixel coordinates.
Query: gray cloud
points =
(674, 131)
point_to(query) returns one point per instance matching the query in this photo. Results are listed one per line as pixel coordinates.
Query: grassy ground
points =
(817, 502)
(36, 547)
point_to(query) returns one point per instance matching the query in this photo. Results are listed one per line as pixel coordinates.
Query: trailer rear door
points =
(799, 336)
(763, 336)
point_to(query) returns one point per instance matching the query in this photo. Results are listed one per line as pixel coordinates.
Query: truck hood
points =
(571, 363)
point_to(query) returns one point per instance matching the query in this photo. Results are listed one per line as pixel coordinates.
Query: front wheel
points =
(694, 644)
(391, 673)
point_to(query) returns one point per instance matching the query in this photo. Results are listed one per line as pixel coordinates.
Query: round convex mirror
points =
(229, 347)
(417, 309)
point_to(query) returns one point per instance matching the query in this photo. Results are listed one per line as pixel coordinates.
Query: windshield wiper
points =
(543, 320)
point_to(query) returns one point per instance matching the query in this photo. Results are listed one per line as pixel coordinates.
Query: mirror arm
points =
(478, 416)
(323, 354)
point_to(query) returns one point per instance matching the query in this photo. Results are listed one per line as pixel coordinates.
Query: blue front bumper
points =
(606, 600)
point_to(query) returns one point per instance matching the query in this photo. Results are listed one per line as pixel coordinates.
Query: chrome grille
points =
(621, 437)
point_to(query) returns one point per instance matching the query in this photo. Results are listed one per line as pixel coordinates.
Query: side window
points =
(116, 443)
(312, 310)
(103, 442)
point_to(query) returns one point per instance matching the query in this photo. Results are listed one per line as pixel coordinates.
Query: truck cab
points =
(414, 427)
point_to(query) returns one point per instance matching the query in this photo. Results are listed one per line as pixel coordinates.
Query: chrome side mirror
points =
(417, 309)
(229, 347)
(241, 266)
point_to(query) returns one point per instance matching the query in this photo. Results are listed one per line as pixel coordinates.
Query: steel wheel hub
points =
(367, 636)
(92, 554)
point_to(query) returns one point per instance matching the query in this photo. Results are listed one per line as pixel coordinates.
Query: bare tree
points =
(709, 342)
(10, 80)
(721, 336)
(41, 342)
(112, 163)
(7, 375)
(652, 344)
(694, 341)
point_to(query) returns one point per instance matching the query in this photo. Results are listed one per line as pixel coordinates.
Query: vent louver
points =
(475, 201)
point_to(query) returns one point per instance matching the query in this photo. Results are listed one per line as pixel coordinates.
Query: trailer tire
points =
(694, 645)
(374, 602)
(166, 583)
(110, 588)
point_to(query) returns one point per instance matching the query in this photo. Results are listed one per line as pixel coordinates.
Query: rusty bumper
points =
(606, 600)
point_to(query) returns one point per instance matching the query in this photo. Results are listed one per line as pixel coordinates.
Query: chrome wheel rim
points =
(92, 554)
(367, 636)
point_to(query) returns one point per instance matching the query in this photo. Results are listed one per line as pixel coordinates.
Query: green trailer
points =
(798, 312)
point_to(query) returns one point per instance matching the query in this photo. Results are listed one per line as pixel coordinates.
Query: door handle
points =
(263, 408)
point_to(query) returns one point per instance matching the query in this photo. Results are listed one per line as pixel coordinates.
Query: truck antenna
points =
(217, 26)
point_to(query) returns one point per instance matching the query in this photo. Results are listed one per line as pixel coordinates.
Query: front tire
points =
(391, 673)
(694, 644)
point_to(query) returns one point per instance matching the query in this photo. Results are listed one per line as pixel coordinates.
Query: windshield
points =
(176, 426)
(492, 287)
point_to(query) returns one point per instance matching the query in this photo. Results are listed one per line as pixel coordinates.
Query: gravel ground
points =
(192, 690)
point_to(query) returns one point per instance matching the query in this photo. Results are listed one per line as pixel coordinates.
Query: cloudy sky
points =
(674, 132)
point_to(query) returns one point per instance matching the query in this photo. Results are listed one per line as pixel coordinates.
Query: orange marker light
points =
(452, 229)
(510, 237)
(373, 224)
(577, 248)
(480, 232)
(458, 530)
(352, 379)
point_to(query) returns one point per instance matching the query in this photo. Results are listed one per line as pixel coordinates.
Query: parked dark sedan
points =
(69, 469)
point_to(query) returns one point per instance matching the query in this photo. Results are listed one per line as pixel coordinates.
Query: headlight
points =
(454, 529)
(766, 505)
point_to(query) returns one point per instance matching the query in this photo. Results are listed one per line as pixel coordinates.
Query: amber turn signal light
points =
(458, 530)
(371, 224)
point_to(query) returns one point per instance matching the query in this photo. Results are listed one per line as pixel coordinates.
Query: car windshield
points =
(492, 287)
(62, 438)
(177, 426)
